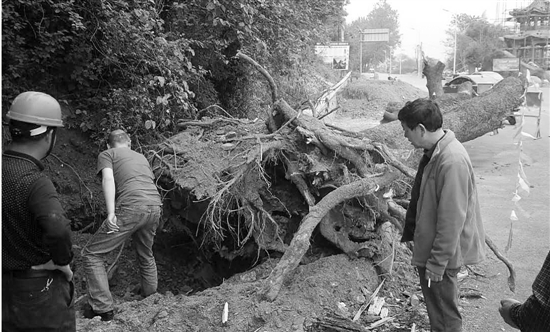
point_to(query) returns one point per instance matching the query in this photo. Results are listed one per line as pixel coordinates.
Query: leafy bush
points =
(141, 65)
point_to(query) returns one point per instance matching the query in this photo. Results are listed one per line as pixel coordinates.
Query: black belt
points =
(27, 274)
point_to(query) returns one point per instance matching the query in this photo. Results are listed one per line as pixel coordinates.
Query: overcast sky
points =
(426, 21)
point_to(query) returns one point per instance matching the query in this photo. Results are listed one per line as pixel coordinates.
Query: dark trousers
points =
(37, 301)
(442, 301)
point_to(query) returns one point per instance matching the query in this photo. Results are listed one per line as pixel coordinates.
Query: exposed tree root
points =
(300, 242)
(512, 276)
(221, 163)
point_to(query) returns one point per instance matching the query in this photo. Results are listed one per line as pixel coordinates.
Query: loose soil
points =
(363, 102)
(193, 289)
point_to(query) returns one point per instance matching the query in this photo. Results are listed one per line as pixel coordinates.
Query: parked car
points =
(481, 81)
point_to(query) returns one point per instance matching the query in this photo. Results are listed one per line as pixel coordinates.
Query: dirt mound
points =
(334, 284)
(369, 98)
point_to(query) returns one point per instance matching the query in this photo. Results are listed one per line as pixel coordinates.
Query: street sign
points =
(506, 64)
(375, 35)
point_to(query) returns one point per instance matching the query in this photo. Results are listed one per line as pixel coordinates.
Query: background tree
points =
(477, 42)
(382, 16)
(408, 64)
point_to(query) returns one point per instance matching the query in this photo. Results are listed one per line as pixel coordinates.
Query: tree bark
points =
(468, 119)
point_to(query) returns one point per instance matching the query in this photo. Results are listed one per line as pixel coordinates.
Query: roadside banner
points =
(335, 54)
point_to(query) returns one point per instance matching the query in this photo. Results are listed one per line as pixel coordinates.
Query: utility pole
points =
(400, 63)
(390, 60)
(385, 61)
(419, 59)
(361, 53)
(454, 57)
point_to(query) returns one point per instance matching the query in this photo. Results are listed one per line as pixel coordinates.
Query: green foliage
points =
(279, 35)
(382, 16)
(42, 41)
(141, 65)
(112, 57)
(476, 42)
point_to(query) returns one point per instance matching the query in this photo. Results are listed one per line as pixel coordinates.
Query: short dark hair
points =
(421, 111)
(118, 136)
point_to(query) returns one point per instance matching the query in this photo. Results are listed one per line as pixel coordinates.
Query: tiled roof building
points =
(531, 44)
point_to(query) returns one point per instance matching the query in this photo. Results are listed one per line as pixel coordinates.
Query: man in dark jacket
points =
(533, 315)
(37, 291)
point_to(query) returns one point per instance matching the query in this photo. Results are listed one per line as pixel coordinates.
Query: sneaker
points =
(105, 316)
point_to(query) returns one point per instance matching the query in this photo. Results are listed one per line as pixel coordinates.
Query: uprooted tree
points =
(267, 186)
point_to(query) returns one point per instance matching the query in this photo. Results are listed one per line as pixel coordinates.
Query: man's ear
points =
(49, 136)
(422, 129)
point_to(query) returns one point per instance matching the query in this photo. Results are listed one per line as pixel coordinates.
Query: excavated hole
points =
(186, 266)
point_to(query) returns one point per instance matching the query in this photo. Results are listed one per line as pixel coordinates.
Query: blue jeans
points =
(138, 222)
(44, 303)
(442, 301)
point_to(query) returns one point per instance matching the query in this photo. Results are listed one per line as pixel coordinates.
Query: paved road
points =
(496, 163)
(412, 79)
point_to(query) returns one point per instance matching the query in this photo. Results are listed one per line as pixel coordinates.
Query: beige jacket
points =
(449, 230)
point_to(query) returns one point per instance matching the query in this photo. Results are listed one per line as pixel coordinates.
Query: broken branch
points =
(274, 90)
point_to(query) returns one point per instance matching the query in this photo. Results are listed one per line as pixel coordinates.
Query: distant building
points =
(530, 44)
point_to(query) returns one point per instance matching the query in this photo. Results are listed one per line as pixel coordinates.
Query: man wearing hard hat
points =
(37, 288)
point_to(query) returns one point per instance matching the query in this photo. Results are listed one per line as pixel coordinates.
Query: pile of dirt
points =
(368, 98)
(333, 285)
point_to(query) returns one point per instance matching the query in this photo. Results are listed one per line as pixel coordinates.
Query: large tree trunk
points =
(468, 119)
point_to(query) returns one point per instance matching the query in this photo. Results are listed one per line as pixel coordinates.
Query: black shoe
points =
(105, 316)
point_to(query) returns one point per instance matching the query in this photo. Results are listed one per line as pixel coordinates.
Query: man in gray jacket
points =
(443, 219)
